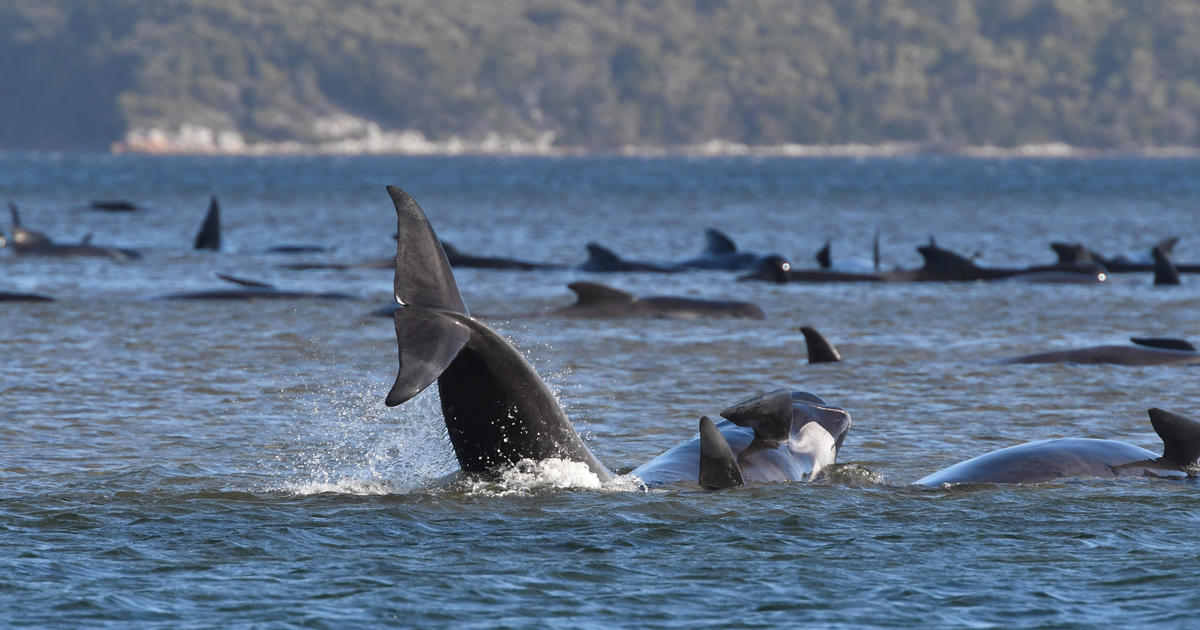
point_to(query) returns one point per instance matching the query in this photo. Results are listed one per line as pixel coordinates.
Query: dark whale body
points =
(26, 242)
(1048, 460)
(603, 260)
(6, 296)
(459, 259)
(722, 254)
(253, 290)
(1145, 352)
(598, 300)
(498, 411)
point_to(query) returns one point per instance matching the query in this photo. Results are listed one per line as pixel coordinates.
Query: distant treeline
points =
(601, 74)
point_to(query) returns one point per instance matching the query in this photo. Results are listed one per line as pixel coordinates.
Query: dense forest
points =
(603, 74)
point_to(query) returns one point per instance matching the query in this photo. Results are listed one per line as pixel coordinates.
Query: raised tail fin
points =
(424, 287)
(209, 236)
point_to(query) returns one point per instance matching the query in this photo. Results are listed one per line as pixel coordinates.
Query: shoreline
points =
(195, 140)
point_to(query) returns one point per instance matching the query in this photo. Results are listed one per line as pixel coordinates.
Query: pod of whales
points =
(1048, 460)
(499, 412)
(940, 265)
(598, 300)
(26, 242)
(1145, 351)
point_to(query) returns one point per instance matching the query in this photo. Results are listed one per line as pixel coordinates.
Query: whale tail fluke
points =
(424, 289)
(820, 349)
(718, 465)
(1165, 273)
(1180, 436)
(209, 236)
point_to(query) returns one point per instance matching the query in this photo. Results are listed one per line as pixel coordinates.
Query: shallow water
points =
(213, 464)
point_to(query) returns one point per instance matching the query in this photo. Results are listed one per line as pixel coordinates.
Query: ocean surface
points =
(228, 464)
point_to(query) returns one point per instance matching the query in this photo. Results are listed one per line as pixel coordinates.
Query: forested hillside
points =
(599, 74)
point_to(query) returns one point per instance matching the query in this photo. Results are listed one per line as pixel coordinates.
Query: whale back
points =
(595, 294)
(21, 238)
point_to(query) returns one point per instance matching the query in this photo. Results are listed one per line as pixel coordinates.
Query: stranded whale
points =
(252, 289)
(598, 300)
(1146, 351)
(1047, 460)
(498, 411)
(27, 242)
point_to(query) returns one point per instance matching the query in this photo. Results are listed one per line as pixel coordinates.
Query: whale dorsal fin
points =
(209, 236)
(717, 242)
(256, 284)
(1180, 436)
(1165, 272)
(592, 293)
(16, 216)
(875, 257)
(824, 255)
(718, 465)
(820, 350)
(1168, 343)
(601, 256)
(769, 414)
(427, 338)
(87, 239)
(1071, 253)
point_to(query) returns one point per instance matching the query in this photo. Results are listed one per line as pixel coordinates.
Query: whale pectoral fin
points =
(820, 350)
(427, 341)
(718, 466)
(1180, 436)
(770, 415)
(1168, 343)
(592, 293)
(717, 242)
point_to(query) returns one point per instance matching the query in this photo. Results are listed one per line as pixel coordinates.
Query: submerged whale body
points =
(598, 300)
(498, 411)
(604, 260)
(1145, 351)
(253, 289)
(462, 259)
(722, 254)
(1048, 460)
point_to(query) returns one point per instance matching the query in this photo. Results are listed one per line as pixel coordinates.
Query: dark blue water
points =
(231, 464)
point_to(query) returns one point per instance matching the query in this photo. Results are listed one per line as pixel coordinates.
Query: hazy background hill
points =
(598, 74)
